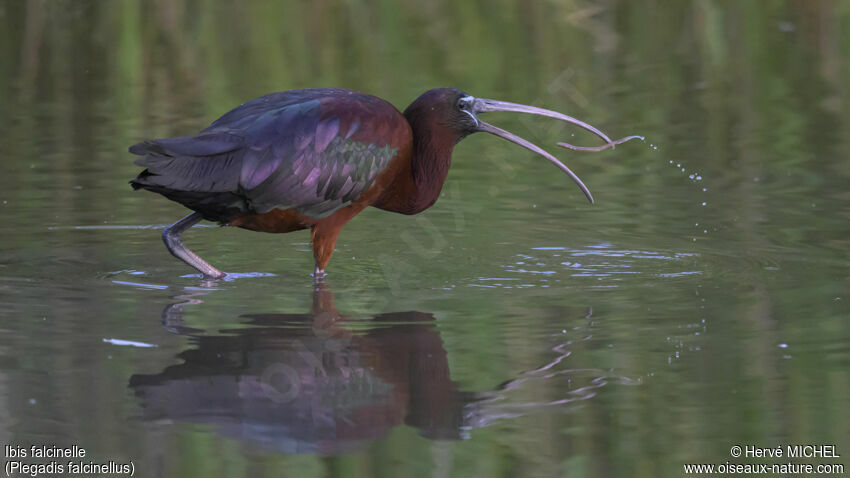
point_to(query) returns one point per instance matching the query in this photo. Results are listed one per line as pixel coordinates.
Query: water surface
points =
(510, 330)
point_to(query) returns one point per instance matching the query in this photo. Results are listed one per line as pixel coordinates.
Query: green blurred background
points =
(705, 298)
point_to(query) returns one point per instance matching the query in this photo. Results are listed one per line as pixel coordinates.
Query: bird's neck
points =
(416, 184)
(429, 165)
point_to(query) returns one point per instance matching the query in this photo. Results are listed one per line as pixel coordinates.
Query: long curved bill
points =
(488, 128)
(482, 105)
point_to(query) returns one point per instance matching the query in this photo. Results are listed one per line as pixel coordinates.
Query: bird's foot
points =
(319, 275)
(210, 280)
(218, 275)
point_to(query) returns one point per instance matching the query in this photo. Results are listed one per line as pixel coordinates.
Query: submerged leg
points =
(172, 240)
(324, 241)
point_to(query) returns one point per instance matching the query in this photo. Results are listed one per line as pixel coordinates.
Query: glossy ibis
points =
(315, 158)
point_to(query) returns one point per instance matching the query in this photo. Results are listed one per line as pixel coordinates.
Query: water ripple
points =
(540, 266)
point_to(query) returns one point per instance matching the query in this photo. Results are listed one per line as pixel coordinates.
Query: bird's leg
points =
(172, 240)
(324, 240)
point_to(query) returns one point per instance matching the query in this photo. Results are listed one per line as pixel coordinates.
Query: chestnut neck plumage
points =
(417, 185)
(433, 144)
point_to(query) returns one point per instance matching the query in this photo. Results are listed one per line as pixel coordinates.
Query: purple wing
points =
(290, 150)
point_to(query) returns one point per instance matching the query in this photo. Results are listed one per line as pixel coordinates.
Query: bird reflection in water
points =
(310, 383)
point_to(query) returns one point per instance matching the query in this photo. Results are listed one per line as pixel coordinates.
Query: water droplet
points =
(32, 401)
(691, 176)
(704, 189)
(699, 178)
(783, 346)
(704, 203)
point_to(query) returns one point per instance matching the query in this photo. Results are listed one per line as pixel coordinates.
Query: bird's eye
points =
(464, 102)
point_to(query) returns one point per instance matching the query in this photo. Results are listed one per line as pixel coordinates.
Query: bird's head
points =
(458, 114)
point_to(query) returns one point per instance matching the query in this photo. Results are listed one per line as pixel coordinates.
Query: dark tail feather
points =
(187, 173)
(202, 173)
(204, 145)
(218, 207)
